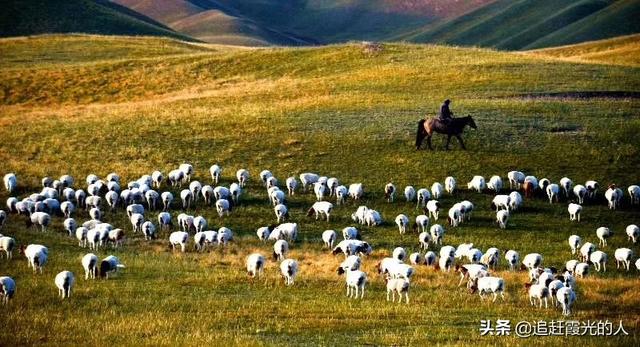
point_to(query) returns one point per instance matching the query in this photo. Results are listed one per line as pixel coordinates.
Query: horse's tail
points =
(420, 134)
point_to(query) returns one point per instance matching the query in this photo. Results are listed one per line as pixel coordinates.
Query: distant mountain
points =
(31, 17)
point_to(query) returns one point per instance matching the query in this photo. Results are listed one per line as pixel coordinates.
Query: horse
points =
(455, 127)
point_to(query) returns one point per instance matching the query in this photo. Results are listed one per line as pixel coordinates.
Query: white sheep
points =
(350, 233)
(255, 264)
(516, 179)
(292, 184)
(580, 192)
(176, 177)
(210, 237)
(532, 261)
(437, 233)
(433, 208)
(70, 225)
(566, 296)
(289, 270)
(592, 188)
(187, 170)
(436, 190)
(613, 196)
(243, 177)
(112, 199)
(400, 286)
(634, 194)
(341, 195)
(224, 236)
(454, 216)
(167, 198)
(389, 192)
(502, 217)
(90, 265)
(567, 185)
(64, 281)
(200, 223)
(372, 218)
(329, 238)
(581, 270)
(187, 198)
(450, 184)
(320, 189)
(553, 190)
(445, 263)
(586, 250)
(356, 191)
(421, 224)
(332, 184)
(495, 183)
(416, 258)
(199, 241)
(574, 211)
(409, 193)
(216, 171)
(281, 212)
(321, 208)
(603, 234)
(477, 183)
(466, 207)
(179, 238)
(276, 196)
(67, 208)
(599, 260)
(280, 249)
(501, 202)
(164, 220)
(638, 264)
(7, 289)
(538, 292)
(157, 178)
(351, 263)
(471, 272)
(307, 179)
(271, 182)
(515, 200)
(512, 257)
(223, 207)
(430, 258)
(287, 231)
(7, 244)
(570, 266)
(491, 258)
(402, 221)
(356, 281)
(399, 253)
(489, 285)
(424, 238)
(81, 235)
(41, 219)
(136, 220)
(10, 182)
(623, 256)
(574, 242)
(351, 247)
(109, 265)
(264, 176)
(423, 196)
(95, 214)
(633, 233)
(148, 230)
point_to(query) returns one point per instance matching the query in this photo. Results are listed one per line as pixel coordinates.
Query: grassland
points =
(87, 104)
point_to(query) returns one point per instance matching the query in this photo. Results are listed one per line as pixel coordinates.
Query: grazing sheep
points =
(488, 285)
(243, 177)
(474, 255)
(566, 297)
(623, 255)
(436, 190)
(372, 218)
(307, 179)
(255, 265)
(148, 230)
(389, 192)
(430, 258)
(466, 207)
(289, 270)
(187, 198)
(332, 184)
(445, 263)
(64, 281)
(352, 247)
(433, 208)
(10, 182)
(400, 286)
(424, 238)
(276, 196)
(515, 200)
(152, 197)
(603, 234)
(167, 198)
(199, 241)
(157, 178)
(491, 258)
(538, 292)
(280, 249)
(179, 238)
(356, 281)
(471, 272)
(502, 217)
(580, 192)
(477, 183)
(553, 190)
(215, 170)
(287, 231)
(37, 256)
(356, 191)
(423, 196)
(501, 202)
(351, 263)
(292, 184)
(264, 176)
(532, 261)
(281, 212)
(329, 238)
(109, 265)
(320, 208)
(516, 178)
(421, 224)
(41, 219)
(341, 195)
(570, 266)
(135, 209)
(409, 193)
(399, 253)
(613, 196)
(187, 170)
(164, 221)
(402, 221)
(416, 258)
(7, 244)
(592, 188)
(634, 194)
(633, 233)
(223, 207)
(574, 242)
(599, 260)
(224, 236)
(136, 220)
(543, 184)
(320, 189)
(70, 226)
(574, 211)
(176, 178)
(450, 184)
(586, 250)
(200, 223)
(81, 235)
(271, 182)
(90, 265)
(495, 183)
(567, 185)
(7, 289)
(210, 237)
(112, 200)
(581, 270)
(263, 233)
(528, 189)
(95, 214)
(437, 233)
(67, 208)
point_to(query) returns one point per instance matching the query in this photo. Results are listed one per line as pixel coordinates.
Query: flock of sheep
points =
(60, 198)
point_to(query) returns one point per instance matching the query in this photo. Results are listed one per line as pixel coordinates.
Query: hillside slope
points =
(31, 17)
(624, 50)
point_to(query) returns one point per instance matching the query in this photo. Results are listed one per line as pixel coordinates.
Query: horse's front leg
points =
(461, 142)
(448, 141)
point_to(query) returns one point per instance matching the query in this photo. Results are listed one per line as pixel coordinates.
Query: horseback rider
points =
(445, 113)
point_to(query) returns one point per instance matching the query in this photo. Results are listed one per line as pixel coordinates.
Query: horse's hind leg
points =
(448, 141)
(461, 142)
(429, 142)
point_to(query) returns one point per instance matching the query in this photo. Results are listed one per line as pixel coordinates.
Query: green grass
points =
(332, 110)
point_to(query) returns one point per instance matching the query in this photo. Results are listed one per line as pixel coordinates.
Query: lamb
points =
(423, 196)
(224, 236)
(433, 208)
(281, 212)
(7, 289)
(109, 265)
(321, 208)
(502, 217)
(409, 193)
(41, 219)
(356, 281)
(574, 242)
(623, 256)
(351, 263)
(67, 208)
(70, 226)
(402, 221)
(634, 194)
(90, 265)
(356, 191)
(495, 183)
(592, 188)
(243, 177)
(586, 250)
(450, 184)
(341, 195)
(179, 238)
(424, 238)
(603, 234)
(400, 286)
(307, 179)
(399, 253)
(489, 285)
(574, 211)
(389, 192)
(292, 184)
(633, 233)
(580, 192)
(532, 261)
(215, 170)
(329, 238)
(10, 182)
(516, 178)
(599, 260)
(566, 296)
(64, 281)
(501, 202)
(613, 196)
(437, 233)
(7, 244)
(553, 190)
(436, 190)
(289, 270)
(538, 292)
(167, 198)
(176, 177)
(515, 200)
(477, 183)
(81, 235)
(164, 221)
(255, 265)
(148, 230)
(223, 207)
(421, 224)
(280, 249)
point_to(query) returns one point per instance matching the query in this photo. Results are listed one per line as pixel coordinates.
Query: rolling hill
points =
(624, 50)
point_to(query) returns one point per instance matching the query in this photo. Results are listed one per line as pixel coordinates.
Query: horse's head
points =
(471, 122)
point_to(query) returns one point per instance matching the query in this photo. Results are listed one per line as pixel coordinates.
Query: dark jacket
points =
(445, 112)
